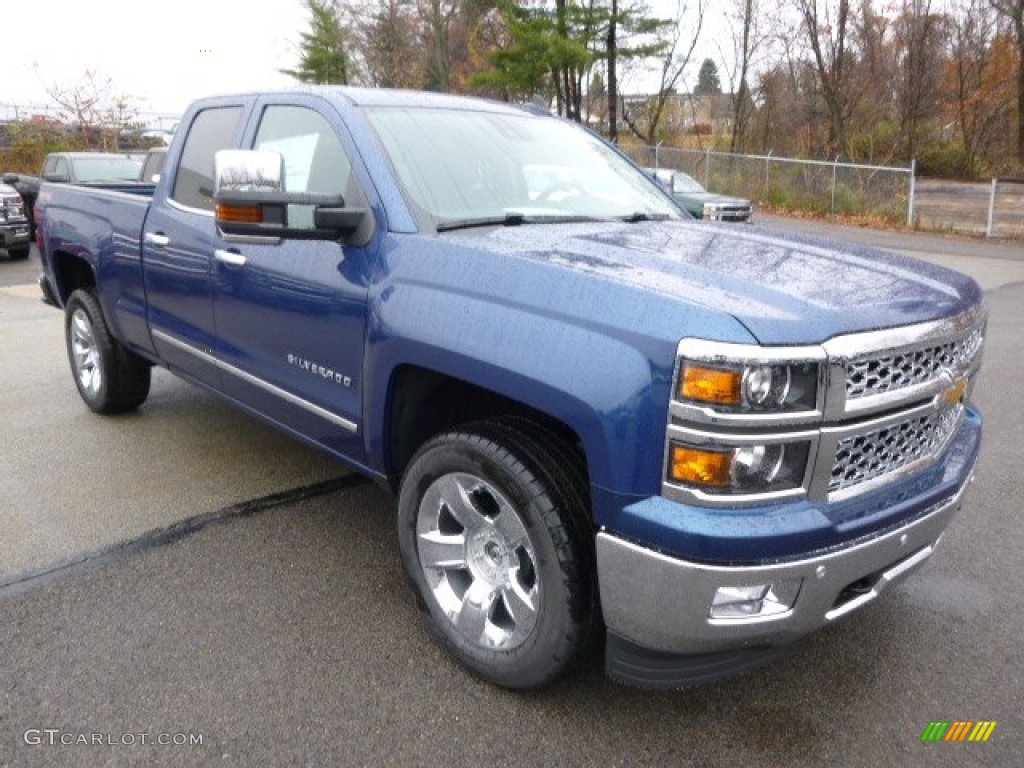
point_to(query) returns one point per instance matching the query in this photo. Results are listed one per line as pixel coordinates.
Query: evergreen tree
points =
(553, 50)
(707, 79)
(324, 55)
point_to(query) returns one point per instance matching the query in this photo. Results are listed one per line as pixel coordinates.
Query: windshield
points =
(107, 168)
(684, 183)
(466, 166)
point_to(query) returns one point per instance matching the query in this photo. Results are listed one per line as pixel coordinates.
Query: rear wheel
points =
(109, 377)
(493, 543)
(20, 252)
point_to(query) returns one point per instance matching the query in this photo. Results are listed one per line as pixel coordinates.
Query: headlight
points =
(743, 422)
(742, 469)
(750, 387)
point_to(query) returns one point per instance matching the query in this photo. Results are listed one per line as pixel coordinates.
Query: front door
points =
(291, 317)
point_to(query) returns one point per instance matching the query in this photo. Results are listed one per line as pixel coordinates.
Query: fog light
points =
(754, 601)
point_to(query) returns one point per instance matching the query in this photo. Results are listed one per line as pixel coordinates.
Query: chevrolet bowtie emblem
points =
(952, 396)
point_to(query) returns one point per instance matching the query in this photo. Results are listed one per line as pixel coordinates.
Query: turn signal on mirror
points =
(250, 214)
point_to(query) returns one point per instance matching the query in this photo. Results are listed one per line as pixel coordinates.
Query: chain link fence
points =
(832, 188)
(992, 209)
(1006, 209)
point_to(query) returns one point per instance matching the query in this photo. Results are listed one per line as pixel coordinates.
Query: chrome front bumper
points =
(663, 604)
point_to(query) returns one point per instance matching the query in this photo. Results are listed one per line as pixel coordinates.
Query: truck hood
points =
(785, 289)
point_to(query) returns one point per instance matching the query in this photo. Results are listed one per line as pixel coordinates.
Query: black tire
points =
(508, 589)
(109, 377)
(18, 253)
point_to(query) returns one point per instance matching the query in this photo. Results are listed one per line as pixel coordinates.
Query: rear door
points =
(178, 245)
(291, 316)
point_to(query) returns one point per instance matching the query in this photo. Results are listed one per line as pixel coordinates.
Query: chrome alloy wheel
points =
(478, 561)
(85, 355)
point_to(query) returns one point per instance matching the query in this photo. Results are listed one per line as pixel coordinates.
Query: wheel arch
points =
(422, 402)
(71, 272)
(603, 393)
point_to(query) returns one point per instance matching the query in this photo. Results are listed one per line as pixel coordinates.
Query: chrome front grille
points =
(728, 213)
(867, 456)
(11, 205)
(879, 375)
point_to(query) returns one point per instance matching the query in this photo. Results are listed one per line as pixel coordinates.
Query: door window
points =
(213, 129)
(314, 159)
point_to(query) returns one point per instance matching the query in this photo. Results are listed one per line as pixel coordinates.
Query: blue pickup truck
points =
(606, 425)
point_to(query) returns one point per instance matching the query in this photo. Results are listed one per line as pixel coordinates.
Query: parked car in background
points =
(703, 204)
(28, 188)
(74, 168)
(90, 167)
(14, 234)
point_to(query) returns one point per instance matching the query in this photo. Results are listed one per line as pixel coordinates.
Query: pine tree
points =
(707, 79)
(324, 55)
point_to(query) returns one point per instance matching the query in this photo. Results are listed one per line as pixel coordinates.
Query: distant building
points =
(710, 113)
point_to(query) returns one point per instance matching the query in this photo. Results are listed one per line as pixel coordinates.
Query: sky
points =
(162, 55)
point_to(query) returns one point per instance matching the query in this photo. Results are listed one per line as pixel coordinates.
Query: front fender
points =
(611, 394)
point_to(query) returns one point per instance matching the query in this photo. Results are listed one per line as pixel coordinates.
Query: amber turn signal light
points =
(710, 385)
(699, 467)
(249, 214)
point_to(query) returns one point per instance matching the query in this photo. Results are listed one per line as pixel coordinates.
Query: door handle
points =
(156, 239)
(231, 258)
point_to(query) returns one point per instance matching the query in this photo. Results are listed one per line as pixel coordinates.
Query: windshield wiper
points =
(633, 218)
(507, 220)
(515, 218)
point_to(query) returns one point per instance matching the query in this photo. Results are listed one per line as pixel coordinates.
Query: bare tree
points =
(438, 16)
(679, 45)
(80, 103)
(827, 36)
(920, 35)
(613, 74)
(974, 82)
(1013, 12)
(98, 116)
(119, 114)
(386, 33)
(747, 38)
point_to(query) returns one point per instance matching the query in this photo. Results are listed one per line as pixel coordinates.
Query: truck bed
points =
(87, 221)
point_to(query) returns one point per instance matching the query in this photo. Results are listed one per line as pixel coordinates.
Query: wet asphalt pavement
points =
(281, 632)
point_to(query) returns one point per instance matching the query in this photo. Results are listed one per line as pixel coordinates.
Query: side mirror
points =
(11, 178)
(248, 189)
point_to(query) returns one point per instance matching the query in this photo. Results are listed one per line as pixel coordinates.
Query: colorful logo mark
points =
(958, 730)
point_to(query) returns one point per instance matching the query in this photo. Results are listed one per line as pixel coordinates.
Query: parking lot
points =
(186, 572)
